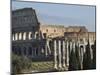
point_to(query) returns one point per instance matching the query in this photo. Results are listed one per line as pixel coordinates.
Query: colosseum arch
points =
(24, 36)
(20, 36)
(30, 35)
(16, 36)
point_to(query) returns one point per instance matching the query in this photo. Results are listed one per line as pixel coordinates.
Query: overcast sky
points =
(62, 14)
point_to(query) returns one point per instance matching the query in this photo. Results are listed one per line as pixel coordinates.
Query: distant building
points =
(52, 31)
(71, 32)
(79, 33)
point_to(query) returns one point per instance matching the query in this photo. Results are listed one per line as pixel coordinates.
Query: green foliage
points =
(73, 63)
(87, 58)
(77, 56)
(20, 63)
(94, 56)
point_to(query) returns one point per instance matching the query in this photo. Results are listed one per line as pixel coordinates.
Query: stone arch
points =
(91, 50)
(37, 35)
(20, 36)
(16, 36)
(30, 35)
(81, 46)
(81, 49)
(81, 55)
(24, 36)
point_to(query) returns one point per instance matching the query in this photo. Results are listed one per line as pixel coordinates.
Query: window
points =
(16, 36)
(24, 36)
(20, 36)
(46, 30)
(30, 35)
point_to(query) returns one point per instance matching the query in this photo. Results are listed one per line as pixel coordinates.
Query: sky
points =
(61, 14)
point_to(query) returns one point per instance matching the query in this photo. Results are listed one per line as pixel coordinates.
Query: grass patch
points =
(42, 66)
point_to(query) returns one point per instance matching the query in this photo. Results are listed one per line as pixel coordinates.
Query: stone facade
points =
(52, 31)
(71, 32)
(25, 32)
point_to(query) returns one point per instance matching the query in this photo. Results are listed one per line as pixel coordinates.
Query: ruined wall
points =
(52, 30)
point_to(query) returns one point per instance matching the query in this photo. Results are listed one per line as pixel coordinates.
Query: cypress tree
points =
(77, 56)
(73, 64)
(94, 56)
(87, 58)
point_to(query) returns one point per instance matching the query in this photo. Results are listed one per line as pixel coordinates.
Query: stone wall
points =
(52, 30)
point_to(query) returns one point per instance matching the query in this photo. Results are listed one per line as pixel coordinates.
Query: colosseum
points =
(46, 42)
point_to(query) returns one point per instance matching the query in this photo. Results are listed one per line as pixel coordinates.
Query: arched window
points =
(16, 36)
(30, 36)
(24, 36)
(20, 36)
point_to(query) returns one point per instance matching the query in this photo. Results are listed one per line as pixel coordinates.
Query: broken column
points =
(55, 54)
(59, 53)
(64, 54)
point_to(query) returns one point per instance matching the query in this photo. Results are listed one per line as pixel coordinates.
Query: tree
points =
(19, 64)
(73, 63)
(87, 58)
(77, 56)
(94, 56)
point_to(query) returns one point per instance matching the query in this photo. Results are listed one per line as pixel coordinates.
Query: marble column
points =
(49, 50)
(35, 35)
(81, 56)
(55, 54)
(70, 46)
(42, 35)
(64, 52)
(91, 51)
(59, 53)
(67, 51)
(84, 45)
